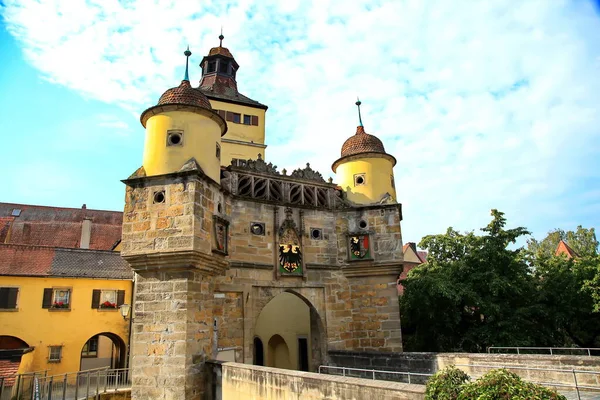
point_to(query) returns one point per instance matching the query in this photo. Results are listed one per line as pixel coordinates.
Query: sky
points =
(485, 105)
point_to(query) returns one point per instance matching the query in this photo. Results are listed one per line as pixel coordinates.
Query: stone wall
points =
(242, 381)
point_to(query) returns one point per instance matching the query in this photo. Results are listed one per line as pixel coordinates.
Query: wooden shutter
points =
(4, 297)
(222, 114)
(255, 120)
(12, 297)
(229, 116)
(96, 298)
(47, 300)
(120, 297)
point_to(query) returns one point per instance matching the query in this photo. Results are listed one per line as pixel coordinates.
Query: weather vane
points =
(221, 37)
(187, 55)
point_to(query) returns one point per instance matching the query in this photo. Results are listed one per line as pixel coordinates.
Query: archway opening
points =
(103, 350)
(293, 328)
(259, 352)
(279, 353)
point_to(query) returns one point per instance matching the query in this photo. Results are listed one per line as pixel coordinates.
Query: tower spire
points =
(221, 37)
(187, 55)
(358, 103)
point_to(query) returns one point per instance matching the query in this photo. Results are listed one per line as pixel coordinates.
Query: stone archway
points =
(104, 349)
(308, 325)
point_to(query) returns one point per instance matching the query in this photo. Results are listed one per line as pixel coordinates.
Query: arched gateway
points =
(232, 254)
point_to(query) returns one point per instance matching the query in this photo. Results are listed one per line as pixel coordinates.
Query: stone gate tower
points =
(220, 246)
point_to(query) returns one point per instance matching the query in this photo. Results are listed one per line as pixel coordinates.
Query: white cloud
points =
(484, 104)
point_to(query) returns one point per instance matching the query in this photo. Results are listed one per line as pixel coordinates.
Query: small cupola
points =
(219, 65)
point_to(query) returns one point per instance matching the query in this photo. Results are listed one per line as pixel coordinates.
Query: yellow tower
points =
(245, 138)
(365, 171)
(180, 127)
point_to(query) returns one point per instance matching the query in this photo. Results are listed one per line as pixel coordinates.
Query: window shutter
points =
(255, 120)
(120, 297)
(96, 298)
(47, 301)
(229, 116)
(222, 114)
(12, 297)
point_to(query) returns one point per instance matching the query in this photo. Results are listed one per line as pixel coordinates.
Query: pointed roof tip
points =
(358, 103)
(221, 37)
(564, 248)
(187, 55)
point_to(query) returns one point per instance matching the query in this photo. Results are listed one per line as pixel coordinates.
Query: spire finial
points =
(221, 37)
(187, 55)
(358, 103)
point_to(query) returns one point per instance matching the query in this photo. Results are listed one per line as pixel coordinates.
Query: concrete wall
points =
(432, 362)
(242, 381)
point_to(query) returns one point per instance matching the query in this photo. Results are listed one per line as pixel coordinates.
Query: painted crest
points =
(220, 226)
(359, 247)
(290, 250)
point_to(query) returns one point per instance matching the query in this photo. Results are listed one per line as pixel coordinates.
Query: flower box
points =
(108, 304)
(60, 304)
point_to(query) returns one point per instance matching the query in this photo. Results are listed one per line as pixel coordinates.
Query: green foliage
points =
(503, 384)
(446, 384)
(474, 292)
(583, 241)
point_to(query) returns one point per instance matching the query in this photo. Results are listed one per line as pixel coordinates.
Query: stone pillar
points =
(169, 240)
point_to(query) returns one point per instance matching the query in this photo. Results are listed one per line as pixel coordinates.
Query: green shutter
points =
(47, 300)
(96, 298)
(120, 297)
(12, 297)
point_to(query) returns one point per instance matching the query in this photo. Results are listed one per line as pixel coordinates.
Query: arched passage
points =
(103, 350)
(259, 352)
(279, 353)
(291, 317)
(12, 343)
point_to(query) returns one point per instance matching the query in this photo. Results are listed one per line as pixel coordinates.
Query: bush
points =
(446, 384)
(503, 384)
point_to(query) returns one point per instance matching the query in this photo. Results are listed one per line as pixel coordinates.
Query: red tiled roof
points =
(58, 227)
(564, 248)
(184, 94)
(8, 370)
(25, 260)
(362, 142)
(422, 255)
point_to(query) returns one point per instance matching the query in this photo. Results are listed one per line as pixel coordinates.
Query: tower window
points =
(236, 118)
(359, 179)
(223, 67)
(218, 151)
(159, 197)
(257, 228)
(247, 119)
(174, 138)
(212, 67)
(316, 233)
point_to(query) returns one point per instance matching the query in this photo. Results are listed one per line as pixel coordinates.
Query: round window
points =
(257, 229)
(159, 197)
(174, 138)
(362, 224)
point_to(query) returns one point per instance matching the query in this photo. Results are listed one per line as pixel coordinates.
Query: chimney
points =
(86, 233)
(83, 207)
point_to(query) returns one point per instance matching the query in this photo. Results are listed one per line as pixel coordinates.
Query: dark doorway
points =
(258, 352)
(303, 354)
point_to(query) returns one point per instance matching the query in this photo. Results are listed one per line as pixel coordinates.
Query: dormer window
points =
(212, 67)
(223, 67)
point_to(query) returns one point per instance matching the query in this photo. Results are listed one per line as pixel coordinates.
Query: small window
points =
(218, 151)
(223, 67)
(247, 119)
(90, 348)
(316, 233)
(212, 67)
(174, 138)
(159, 197)
(108, 299)
(359, 179)
(236, 118)
(393, 183)
(362, 224)
(61, 298)
(55, 354)
(8, 298)
(16, 212)
(257, 228)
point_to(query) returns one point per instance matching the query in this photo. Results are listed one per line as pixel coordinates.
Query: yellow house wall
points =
(41, 328)
(241, 132)
(289, 317)
(378, 172)
(200, 138)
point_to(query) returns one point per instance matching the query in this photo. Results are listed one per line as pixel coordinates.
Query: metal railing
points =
(73, 385)
(552, 350)
(558, 383)
(373, 373)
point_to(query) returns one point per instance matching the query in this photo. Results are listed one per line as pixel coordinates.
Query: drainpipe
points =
(131, 311)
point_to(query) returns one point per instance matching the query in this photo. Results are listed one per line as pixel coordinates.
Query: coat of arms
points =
(290, 253)
(359, 247)
(220, 234)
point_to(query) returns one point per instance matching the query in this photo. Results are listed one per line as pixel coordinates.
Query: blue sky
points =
(484, 104)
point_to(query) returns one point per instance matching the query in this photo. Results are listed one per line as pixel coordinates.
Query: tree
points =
(583, 241)
(472, 293)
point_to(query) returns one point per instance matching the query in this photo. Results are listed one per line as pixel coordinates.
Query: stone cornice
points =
(173, 177)
(210, 264)
(368, 268)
